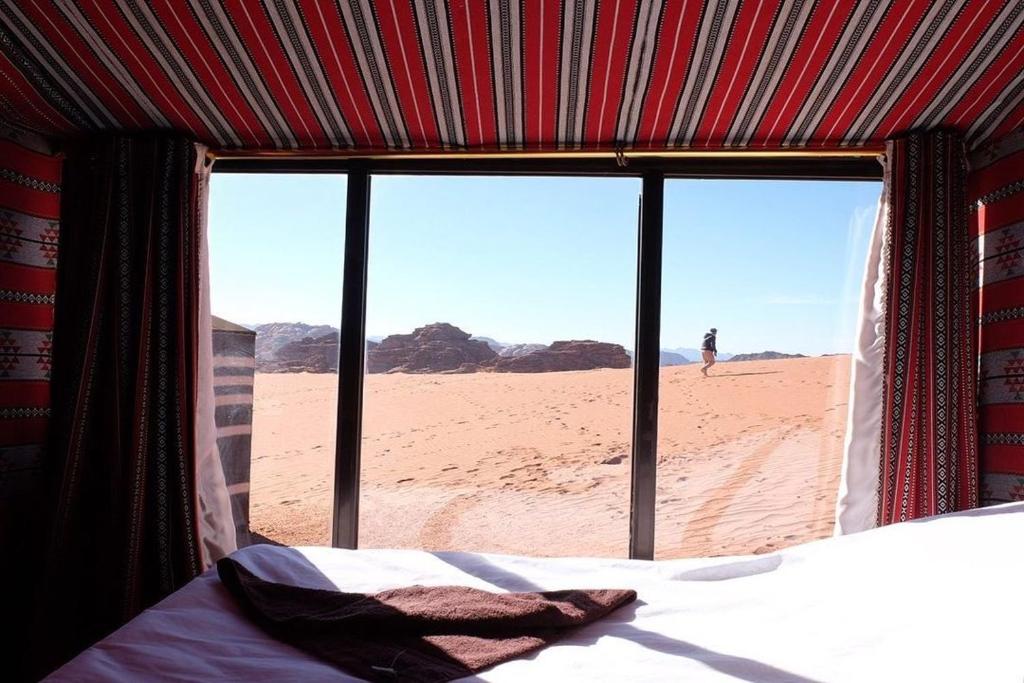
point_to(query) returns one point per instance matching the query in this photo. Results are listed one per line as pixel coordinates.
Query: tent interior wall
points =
(347, 95)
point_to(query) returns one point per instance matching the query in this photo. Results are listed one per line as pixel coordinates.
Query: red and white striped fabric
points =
(996, 192)
(30, 183)
(929, 438)
(376, 75)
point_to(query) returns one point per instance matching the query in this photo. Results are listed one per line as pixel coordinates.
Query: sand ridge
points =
(539, 464)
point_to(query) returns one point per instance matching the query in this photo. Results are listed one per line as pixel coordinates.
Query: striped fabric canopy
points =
(433, 75)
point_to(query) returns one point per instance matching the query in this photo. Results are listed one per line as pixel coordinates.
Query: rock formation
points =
(309, 354)
(272, 336)
(566, 355)
(439, 347)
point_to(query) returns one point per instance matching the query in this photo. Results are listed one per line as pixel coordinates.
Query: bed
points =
(937, 600)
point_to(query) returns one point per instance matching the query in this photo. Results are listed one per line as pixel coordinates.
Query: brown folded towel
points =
(418, 634)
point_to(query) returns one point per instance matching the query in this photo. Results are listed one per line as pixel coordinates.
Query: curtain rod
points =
(857, 153)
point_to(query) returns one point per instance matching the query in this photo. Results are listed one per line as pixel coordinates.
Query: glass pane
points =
(497, 408)
(749, 457)
(276, 248)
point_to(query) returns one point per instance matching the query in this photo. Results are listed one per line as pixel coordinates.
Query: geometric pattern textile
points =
(929, 430)
(996, 193)
(436, 75)
(30, 180)
(29, 225)
(124, 528)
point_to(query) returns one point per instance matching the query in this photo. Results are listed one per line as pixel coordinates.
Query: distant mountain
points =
(495, 345)
(766, 355)
(693, 355)
(516, 350)
(666, 358)
(270, 337)
(670, 358)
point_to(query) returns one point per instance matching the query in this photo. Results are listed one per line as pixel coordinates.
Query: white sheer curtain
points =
(216, 524)
(857, 507)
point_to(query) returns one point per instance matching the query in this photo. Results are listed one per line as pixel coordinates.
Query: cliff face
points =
(309, 354)
(433, 348)
(566, 355)
(272, 336)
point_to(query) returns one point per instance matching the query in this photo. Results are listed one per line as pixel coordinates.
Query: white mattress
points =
(937, 600)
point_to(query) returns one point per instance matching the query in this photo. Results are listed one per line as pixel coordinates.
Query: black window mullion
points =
(646, 367)
(351, 353)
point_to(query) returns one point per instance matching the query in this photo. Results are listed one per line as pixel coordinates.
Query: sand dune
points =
(539, 464)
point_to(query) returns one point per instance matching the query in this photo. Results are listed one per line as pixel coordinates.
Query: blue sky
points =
(773, 264)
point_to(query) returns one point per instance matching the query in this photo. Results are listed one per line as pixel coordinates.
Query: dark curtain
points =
(123, 528)
(929, 415)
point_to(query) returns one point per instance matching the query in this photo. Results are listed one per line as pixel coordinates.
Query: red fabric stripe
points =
(989, 86)
(28, 106)
(750, 30)
(265, 50)
(871, 68)
(818, 40)
(23, 431)
(469, 26)
(995, 176)
(27, 316)
(932, 77)
(611, 51)
(35, 202)
(615, 39)
(190, 38)
(1013, 121)
(679, 25)
(540, 71)
(1001, 213)
(1003, 459)
(24, 278)
(28, 162)
(145, 69)
(997, 296)
(331, 41)
(399, 36)
(1003, 417)
(24, 394)
(82, 60)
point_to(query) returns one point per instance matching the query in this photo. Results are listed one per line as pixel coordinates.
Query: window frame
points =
(653, 171)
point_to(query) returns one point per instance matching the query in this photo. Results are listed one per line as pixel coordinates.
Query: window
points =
(498, 402)
(492, 407)
(276, 244)
(749, 457)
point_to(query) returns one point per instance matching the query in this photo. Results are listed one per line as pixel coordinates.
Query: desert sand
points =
(539, 464)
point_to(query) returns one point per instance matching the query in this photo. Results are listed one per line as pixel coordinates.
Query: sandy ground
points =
(749, 459)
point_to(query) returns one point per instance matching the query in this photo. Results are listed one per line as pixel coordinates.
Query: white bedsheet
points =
(938, 600)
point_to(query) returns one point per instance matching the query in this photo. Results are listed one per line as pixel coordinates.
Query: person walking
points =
(709, 349)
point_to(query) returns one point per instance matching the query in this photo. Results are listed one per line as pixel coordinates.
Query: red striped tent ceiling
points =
(433, 75)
